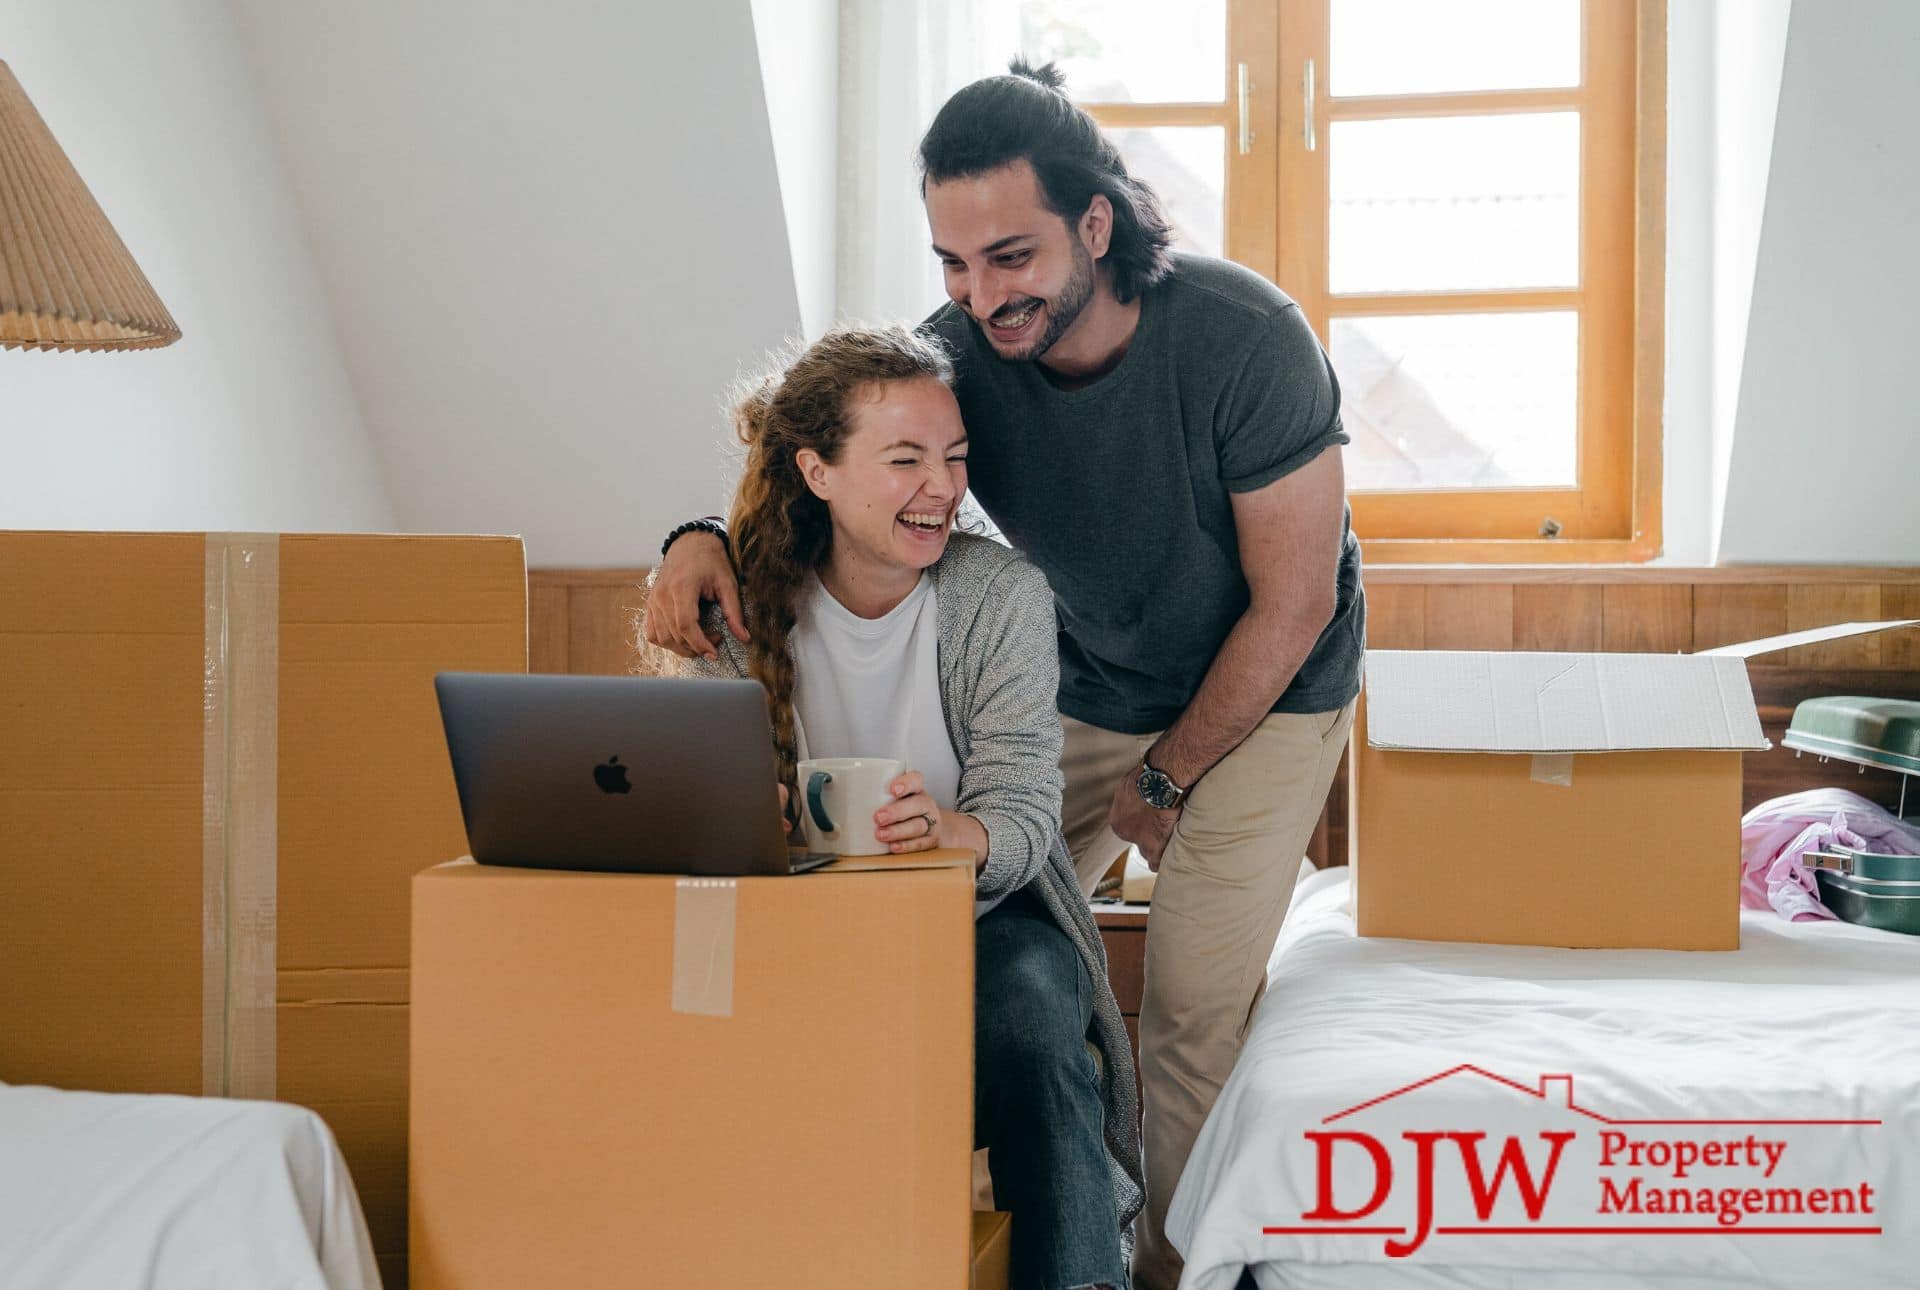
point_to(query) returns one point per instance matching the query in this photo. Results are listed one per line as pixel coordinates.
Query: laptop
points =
(617, 774)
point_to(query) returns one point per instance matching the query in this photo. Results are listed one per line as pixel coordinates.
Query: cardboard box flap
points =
(1812, 636)
(1472, 701)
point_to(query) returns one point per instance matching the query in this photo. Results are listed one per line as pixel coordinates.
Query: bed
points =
(149, 1192)
(1807, 1037)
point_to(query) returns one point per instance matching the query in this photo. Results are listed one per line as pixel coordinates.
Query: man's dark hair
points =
(1027, 116)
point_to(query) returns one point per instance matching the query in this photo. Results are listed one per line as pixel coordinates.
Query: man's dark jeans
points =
(1037, 1102)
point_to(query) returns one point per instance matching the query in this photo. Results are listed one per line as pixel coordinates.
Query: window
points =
(1465, 197)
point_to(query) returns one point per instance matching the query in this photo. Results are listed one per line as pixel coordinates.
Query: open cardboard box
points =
(1569, 799)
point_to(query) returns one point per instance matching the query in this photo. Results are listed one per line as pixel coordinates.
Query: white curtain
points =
(899, 60)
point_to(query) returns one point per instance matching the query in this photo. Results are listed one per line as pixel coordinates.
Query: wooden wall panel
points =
(548, 621)
(1816, 607)
(600, 629)
(1396, 617)
(1726, 615)
(1556, 617)
(1900, 649)
(1471, 616)
(1646, 620)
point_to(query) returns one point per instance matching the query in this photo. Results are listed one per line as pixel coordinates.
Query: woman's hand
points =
(912, 820)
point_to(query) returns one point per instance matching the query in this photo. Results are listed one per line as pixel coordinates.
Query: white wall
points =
(550, 234)
(542, 249)
(799, 47)
(1723, 80)
(248, 422)
(1750, 44)
(1687, 414)
(1825, 461)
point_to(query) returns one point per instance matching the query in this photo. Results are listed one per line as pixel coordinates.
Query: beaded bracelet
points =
(706, 524)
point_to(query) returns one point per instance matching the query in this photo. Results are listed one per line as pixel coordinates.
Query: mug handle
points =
(815, 807)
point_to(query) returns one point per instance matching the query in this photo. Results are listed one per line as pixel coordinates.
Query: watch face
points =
(1159, 791)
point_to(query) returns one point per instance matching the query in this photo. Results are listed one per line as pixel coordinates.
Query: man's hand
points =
(695, 569)
(1136, 822)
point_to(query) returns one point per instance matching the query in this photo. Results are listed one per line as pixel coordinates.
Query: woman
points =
(878, 631)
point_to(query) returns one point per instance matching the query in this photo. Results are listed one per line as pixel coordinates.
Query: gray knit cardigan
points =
(999, 669)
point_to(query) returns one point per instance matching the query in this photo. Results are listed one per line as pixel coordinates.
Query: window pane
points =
(1187, 167)
(1130, 51)
(1424, 47)
(1464, 202)
(1459, 400)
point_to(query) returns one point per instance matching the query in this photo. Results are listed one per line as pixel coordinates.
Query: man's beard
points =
(1062, 309)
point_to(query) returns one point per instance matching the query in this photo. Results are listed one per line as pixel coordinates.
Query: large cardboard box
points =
(220, 762)
(709, 1084)
(1567, 799)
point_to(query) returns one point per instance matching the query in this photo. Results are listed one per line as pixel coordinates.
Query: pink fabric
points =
(1776, 835)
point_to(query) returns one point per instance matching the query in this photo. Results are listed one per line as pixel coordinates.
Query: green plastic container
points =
(1871, 890)
(1869, 732)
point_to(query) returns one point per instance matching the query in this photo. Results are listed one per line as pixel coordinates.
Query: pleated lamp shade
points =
(66, 280)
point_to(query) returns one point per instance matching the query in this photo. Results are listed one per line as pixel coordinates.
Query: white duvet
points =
(1666, 1077)
(126, 1192)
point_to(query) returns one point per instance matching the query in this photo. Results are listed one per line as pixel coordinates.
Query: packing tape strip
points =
(703, 925)
(1553, 768)
(240, 816)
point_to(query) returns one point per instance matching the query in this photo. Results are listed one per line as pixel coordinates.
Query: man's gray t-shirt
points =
(1119, 491)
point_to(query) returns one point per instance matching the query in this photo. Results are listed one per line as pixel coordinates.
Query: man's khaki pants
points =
(1223, 887)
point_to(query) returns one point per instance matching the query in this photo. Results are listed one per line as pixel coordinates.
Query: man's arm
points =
(1289, 534)
(695, 568)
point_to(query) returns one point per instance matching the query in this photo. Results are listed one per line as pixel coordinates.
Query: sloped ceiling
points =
(549, 235)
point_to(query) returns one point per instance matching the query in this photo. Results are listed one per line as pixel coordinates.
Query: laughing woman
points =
(879, 631)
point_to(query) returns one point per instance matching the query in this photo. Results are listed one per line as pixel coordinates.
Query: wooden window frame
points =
(1276, 204)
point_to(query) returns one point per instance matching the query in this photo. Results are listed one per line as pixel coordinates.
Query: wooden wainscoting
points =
(583, 621)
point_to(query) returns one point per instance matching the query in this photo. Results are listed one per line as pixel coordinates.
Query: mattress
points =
(1426, 1114)
(149, 1192)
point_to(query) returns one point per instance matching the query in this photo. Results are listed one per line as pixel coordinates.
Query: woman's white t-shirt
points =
(870, 687)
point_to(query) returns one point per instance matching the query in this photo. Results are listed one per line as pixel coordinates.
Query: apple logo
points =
(612, 777)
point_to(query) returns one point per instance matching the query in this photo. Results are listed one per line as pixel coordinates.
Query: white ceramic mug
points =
(838, 796)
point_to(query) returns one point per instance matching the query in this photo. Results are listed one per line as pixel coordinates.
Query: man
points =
(1161, 435)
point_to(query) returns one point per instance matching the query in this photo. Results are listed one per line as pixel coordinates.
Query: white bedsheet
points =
(1804, 1021)
(126, 1192)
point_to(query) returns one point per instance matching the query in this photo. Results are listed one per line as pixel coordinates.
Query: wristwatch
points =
(1157, 788)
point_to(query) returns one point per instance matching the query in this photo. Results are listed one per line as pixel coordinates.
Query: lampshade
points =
(66, 280)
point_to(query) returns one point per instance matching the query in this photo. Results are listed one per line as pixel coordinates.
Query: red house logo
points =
(1534, 1162)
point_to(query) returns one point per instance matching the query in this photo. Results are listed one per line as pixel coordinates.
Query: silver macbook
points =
(616, 773)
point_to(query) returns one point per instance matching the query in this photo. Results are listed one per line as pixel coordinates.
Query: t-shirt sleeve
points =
(1285, 408)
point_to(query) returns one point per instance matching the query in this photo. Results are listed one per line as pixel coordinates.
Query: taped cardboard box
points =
(624, 1079)
(221, 761)
(1566, 799)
